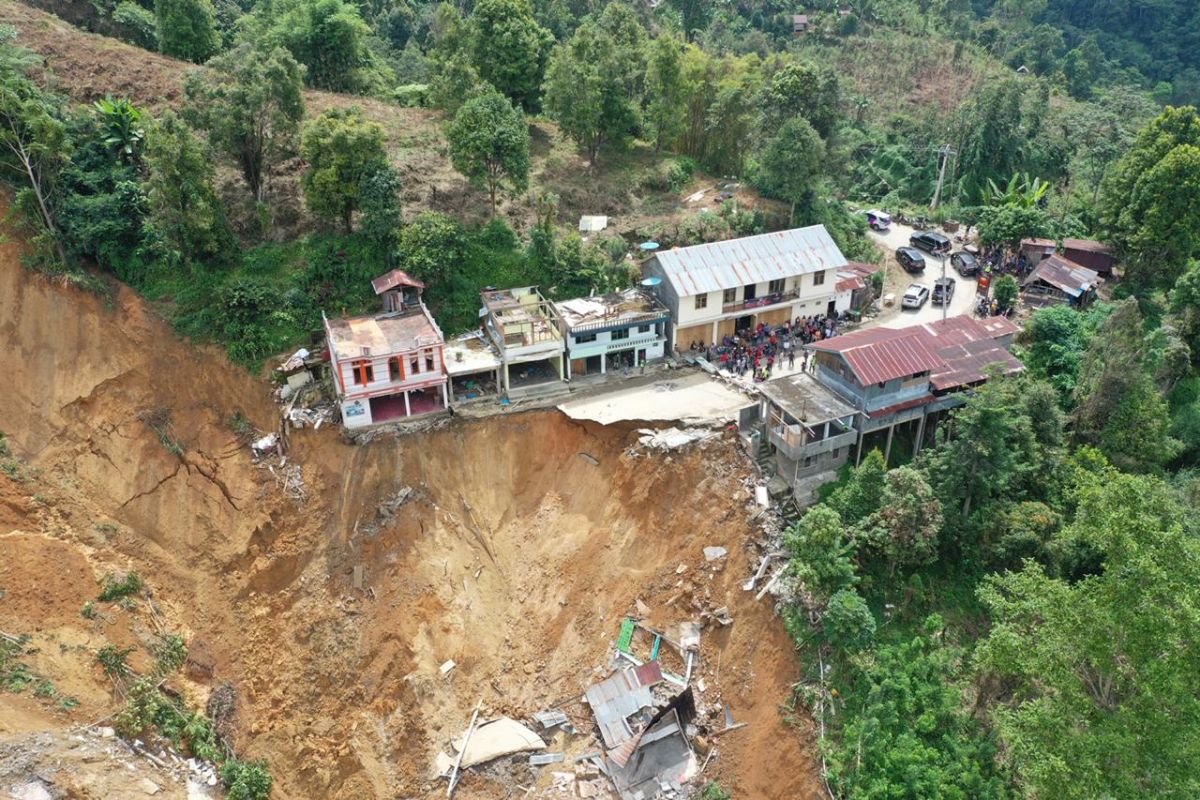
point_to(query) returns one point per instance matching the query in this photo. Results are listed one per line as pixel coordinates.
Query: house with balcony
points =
(388, 366)
(715, 290)
(809, 430)
(527, 332)
(613, 331)
(901, 381)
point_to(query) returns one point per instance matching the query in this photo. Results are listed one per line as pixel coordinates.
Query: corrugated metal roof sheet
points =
(1087, 245)
(621, 696)
(753, 259)
(391, 280)
(881, 354)
(1063, 274)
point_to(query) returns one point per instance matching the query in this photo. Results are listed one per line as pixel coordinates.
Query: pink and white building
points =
(391, 365)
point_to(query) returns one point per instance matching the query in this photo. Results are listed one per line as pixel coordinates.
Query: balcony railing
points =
(799, 441)
(774, 298)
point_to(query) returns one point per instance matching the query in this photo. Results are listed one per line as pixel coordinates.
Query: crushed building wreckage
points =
(650, 730)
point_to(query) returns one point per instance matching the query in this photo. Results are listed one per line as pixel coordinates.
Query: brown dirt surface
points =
(513, 556)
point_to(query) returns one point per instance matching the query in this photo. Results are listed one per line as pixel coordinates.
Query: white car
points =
(915, 296)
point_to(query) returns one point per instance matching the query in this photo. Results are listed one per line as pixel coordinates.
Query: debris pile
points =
(673, 438)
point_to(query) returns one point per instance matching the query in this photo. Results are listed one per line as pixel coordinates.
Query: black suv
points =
(966, 264)
(930, 242)
(910, 259)
(943, 291)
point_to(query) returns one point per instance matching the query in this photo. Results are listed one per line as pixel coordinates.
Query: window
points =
(701, 301)
(622, 333)
(395, 369)
(364, 372)
(584, 338)
(730, 296)
(429, 361)
(643, 328)
(818, 278)
(750, 291)
(776, 287)
(837, 453)
(414, 365)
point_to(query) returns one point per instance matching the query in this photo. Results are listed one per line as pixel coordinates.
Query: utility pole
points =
(944, 155)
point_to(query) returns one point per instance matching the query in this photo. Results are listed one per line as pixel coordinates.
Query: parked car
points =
(966, 264)
(943, 291)
(878, 220)
(910, 259)
(915, 296)
(930, 242)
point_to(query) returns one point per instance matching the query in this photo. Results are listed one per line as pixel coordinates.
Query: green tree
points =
(186, 216)
(1007, 225)
(1100, 672)
(820, 554)
(121, 127)
(862, 494)
(904, 529)
(510, 49)
(1185, 306)
(585, 92)
(906, 734)
(1006, 291)
(847, 622)
(1150, 201)
(379, 202)
(1055, 339)
(489, 145)
(453, 78)
(250, 103)
(803, 90)
(430, 246)
(328, 37)
(34, 147)
(790, 164)
(342, 149)
(187, 29)
(1118, 407)
(664, 79)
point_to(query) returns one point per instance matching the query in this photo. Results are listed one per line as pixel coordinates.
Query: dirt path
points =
(513, 556)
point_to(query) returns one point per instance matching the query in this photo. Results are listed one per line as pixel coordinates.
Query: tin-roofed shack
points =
(617, 330)
(1059, 280)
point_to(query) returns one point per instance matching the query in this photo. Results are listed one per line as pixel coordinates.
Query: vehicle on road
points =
(930, 242)
(910, 259)
(915, 296)
(943, 291)
(878, 220)
(965, 264)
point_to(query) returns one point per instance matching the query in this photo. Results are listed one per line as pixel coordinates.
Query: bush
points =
(246, 780)
(412, 95)
(115, 588)
(679, 174)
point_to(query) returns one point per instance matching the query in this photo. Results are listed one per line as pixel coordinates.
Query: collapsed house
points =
(388, 366)
(1057, 279)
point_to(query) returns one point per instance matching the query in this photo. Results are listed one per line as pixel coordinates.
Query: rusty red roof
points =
(849, 283)
(970, 348)
(877, 355)
(1038, 242)
(1087, 245)
(391, 280)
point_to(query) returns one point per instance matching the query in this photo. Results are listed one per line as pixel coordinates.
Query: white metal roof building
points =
(714, 289)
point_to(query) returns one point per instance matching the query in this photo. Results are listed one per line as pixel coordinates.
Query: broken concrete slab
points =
(713, 553)
(446, 668)
(542, 759)
(689, 635)
(491, 740)
(551, 718)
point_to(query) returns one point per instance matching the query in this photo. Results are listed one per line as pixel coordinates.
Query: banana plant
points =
(121, 126)
(1021, 191)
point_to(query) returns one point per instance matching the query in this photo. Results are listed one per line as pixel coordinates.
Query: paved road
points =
(964, 292)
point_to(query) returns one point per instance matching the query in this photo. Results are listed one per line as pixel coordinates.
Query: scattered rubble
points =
(674, 438)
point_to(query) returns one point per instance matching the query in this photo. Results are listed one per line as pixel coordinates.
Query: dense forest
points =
(1012, 614)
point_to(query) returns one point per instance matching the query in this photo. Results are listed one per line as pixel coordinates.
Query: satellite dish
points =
(648, 246)
(653, 280)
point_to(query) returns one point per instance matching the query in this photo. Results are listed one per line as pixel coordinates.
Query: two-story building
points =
(388, 366)
(617, 330)
(900, 380)
(527, 333)
(714, 290)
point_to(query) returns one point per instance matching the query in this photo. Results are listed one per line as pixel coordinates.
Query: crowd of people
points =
(766, 348)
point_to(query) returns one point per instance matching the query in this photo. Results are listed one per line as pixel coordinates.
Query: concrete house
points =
(713, 290)
(391, 365)
(811, 430)
(622, 329)
(527, 333)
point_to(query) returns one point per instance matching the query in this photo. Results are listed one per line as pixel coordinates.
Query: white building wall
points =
(356, 413)
(381, 372)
